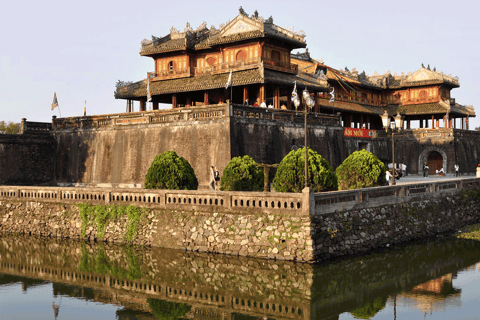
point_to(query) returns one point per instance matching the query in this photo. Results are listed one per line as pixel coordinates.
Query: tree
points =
(362, 169)
(9, 128)
(290, 176)
(242, 174)
(169, 171)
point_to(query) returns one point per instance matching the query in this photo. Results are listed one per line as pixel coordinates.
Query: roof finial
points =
(242, 12)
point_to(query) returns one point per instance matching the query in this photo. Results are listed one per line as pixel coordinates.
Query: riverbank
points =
(470, 232)
(306, 227)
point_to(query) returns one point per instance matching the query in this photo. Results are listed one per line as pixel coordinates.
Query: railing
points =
(224, 67)
(143, 117)
(170, 74)
(286, 203)
(373, 197)
(240, 111)
(35, 127)
(292, 204)
(227, 66)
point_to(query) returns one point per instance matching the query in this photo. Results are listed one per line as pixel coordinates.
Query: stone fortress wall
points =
(116, 150)
(302, 227)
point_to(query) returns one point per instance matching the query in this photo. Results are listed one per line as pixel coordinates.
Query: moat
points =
(43, 278)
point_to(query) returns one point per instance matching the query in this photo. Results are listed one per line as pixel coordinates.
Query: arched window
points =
(241, 55)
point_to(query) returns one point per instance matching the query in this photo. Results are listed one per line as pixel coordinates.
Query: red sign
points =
(360, 133)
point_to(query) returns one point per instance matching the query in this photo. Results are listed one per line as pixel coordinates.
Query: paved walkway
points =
(431, 178)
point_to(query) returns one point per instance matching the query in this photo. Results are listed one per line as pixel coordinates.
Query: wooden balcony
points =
(224, 67)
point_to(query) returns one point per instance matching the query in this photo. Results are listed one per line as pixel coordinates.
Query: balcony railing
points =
(224, 67)
(170, 74)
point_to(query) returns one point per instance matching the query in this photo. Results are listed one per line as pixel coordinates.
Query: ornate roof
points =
(415, 109)
(241, 28)
(208, 81)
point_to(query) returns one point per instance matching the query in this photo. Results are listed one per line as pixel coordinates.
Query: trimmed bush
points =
(362, 169)
(290, 175)
(169, 171)
(242, 174)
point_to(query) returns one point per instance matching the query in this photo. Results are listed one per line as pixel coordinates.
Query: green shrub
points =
(362, 169)
(242, 174)
(370, 309)
(290, 175)
(169, 171)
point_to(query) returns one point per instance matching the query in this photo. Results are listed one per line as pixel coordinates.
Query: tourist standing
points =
(216, 177)
(263, 104)
(212, 178)
(456, 170)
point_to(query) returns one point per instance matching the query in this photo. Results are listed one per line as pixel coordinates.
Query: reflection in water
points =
(155, 283)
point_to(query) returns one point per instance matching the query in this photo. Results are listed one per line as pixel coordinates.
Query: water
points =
(49, 279)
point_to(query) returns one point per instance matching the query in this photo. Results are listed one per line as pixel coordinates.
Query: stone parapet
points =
(302, 227)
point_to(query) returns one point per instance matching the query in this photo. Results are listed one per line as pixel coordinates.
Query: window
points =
(241, 55)
(275, 55)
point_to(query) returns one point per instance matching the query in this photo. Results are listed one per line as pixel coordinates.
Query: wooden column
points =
(205, 98)
(261, 94)
(276, 98)
(361, 121)
(143, 104)
(408, 124)
(463, 123)
(316, 96)
(351, 120)
(438, 123)
(433, 122)
(289, 104)
(130, 105)
(450, 122)
(189, 102)
(155, 105)
(368, 122)
(174, 100)
(245, 94)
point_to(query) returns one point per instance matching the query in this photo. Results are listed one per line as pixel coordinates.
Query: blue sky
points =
(80, 49)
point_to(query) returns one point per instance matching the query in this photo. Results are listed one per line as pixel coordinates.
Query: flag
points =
(85, 108)
(229, 82)
(149, 94)
(55, 101)
(332, 99)
(294, 92)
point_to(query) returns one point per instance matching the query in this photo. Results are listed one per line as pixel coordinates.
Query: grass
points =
(471, 232)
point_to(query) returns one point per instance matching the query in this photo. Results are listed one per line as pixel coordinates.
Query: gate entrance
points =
(434, 162)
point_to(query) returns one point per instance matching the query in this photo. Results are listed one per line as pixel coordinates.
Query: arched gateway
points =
(434, 157)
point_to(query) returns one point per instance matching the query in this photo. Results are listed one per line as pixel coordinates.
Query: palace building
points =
(192, 68)
(203, 99)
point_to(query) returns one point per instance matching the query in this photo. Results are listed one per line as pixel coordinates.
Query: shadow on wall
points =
(27, 159)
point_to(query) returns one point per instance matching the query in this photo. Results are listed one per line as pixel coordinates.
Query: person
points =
(256, 103)
(263, 104)
(284, 107)
(246, 102)
(216, 177)
(270, 105)
(456, 170)
(441, 172)
(425, 170)
(212, 178)
(404, 169)
(388, 177)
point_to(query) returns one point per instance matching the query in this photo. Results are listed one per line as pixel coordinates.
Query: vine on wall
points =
(102, 215)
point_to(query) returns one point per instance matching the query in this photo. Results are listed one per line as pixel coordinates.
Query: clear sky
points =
(79, 49)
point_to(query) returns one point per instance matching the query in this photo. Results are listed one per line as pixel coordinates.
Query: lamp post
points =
(397, 124)
(310, 103)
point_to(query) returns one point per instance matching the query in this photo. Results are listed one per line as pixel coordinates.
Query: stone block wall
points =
(27, 159)
(314, 227)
